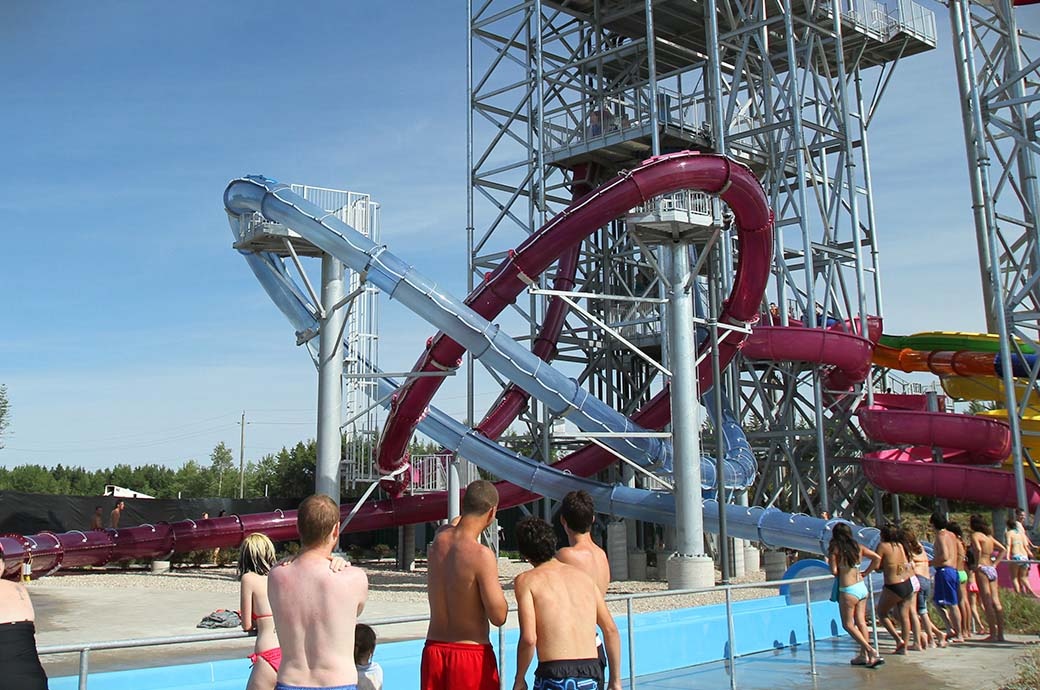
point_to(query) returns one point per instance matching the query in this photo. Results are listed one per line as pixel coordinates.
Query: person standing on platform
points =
(117, 512)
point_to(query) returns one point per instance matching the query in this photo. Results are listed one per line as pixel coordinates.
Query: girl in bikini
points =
(899, 590)
(844, 556)
(1020, 551)
(255, 560)
(988, 552)
(928, 634)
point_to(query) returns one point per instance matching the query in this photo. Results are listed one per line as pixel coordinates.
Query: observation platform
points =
(265, 236)
(872, 32)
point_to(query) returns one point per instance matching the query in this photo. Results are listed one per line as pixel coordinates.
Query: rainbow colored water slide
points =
(969, 365)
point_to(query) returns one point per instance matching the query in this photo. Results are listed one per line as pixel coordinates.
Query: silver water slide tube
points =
(277, 203)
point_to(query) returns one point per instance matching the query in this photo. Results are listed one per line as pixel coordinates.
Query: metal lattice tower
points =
(563, 93)
(998, 70)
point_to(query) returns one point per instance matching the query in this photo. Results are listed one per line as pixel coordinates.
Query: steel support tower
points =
(347, 309)
(998, 74)
(564, 94)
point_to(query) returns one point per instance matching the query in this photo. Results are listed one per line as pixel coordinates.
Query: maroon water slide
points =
(733, 182)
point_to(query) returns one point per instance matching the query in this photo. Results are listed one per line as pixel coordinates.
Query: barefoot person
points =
(988, 553)
(947, 585)
(465, 599)
(315, 609)
(577, 513)
(255, 559)
(559, 607)
(1020, 550)
(20, 667)
(844, 554)
(898, 592)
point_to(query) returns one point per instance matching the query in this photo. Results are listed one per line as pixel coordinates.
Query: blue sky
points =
(132, 332)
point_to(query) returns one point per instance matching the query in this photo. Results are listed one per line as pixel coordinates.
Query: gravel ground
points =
(385, 584)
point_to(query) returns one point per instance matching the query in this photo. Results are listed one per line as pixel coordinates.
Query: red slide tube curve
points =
(715, 174)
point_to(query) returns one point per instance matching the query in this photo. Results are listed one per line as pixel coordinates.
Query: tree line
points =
(289, 473)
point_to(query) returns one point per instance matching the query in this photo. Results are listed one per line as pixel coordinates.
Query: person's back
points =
(577, 514)
(316, 609)
(559, 607)
(457, 562)
(20, 667)
(465, 598)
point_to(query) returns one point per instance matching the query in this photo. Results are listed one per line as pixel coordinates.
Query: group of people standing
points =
(305, 610)
(965, 575)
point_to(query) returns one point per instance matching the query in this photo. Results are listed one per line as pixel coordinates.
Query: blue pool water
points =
(664, 641)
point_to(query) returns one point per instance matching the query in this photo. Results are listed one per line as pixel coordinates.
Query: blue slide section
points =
(399, 280)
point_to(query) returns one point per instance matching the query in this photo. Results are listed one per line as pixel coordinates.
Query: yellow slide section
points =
(986, 388)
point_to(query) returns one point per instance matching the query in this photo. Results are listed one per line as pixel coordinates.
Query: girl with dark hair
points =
(255, 560)
(925, 632)
(899, 590)
(844, 556)
(988, 553)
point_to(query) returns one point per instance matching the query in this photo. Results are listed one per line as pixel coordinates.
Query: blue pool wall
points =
(664, 640)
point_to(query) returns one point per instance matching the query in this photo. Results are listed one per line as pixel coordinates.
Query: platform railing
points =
(85, 649)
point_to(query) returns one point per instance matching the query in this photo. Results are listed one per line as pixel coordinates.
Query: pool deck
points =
(971, 666)
(71, 616)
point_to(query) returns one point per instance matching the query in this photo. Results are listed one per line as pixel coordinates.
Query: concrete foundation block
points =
(687, 572)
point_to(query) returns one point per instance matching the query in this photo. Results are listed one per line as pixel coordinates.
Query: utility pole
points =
(242, 458)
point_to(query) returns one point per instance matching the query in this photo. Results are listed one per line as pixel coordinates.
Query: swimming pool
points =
(664, 640)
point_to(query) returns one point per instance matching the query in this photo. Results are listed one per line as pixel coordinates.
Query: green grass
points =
(1021, 614)
(1028, 677)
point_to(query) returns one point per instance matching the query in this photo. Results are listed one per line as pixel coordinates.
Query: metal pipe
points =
(453, 474)
(720, 443)
(651, 68)
(731, 657)
(631, 646)
(84, 667)
(681, 337)
(502, 655)
(330, 381)
(811, 631)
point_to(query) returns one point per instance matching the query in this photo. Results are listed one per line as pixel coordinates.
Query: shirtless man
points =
(20, 666)
(96, 520)
(947, 582)
(577, 513)
(559, 607)
(465, 597)
(315, 608)
(117, 512)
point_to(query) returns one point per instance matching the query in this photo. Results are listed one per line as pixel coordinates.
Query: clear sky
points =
(130, 331)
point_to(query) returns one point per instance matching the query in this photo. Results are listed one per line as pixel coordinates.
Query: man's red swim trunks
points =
(453, 666)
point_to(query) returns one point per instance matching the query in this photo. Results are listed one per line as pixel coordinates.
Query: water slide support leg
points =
(689, 566)
(330, 380)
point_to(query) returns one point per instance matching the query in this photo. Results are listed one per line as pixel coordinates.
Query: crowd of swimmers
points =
(965, 568)
(304, 611)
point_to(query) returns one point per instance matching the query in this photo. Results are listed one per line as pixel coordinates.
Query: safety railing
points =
(801, 586)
